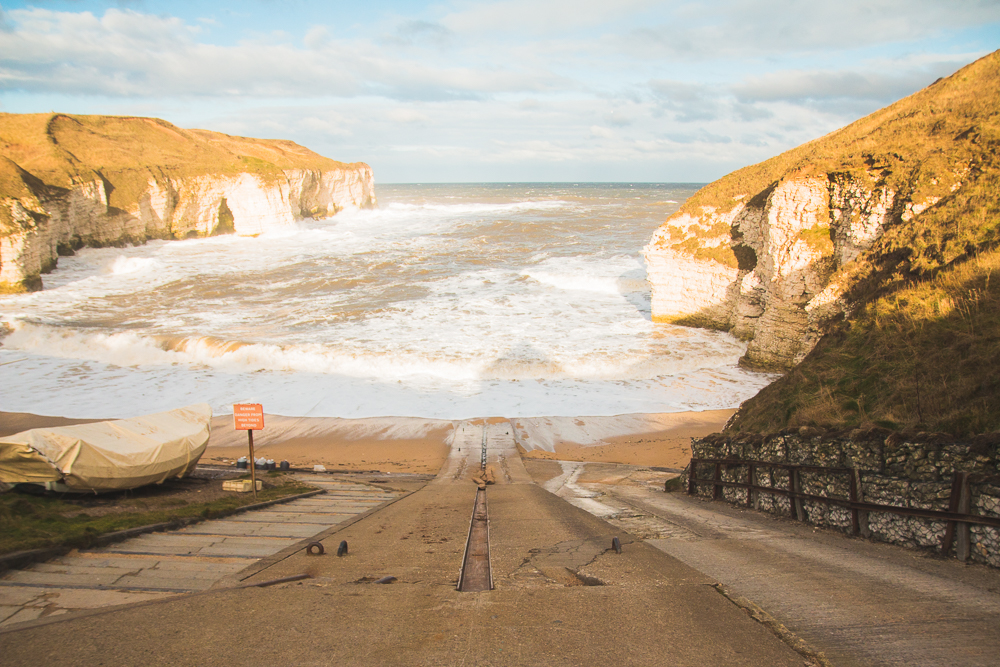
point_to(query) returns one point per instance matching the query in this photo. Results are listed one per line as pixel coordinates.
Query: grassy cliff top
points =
(920, 347)
(62, 149)
(927, 142)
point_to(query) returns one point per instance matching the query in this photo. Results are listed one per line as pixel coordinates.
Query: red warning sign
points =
(248, 416)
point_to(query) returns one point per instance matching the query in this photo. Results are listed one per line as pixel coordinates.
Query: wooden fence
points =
(958, 517)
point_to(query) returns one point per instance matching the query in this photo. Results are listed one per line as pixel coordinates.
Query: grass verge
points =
(74, 520)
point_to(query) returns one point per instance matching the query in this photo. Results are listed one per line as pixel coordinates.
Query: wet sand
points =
(386, 444)
(662, 440)
(408, 444)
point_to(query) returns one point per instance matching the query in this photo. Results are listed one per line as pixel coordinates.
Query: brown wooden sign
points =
(248, 416)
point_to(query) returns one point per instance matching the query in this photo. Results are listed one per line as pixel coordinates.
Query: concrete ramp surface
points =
(160, 565)
(562, 595)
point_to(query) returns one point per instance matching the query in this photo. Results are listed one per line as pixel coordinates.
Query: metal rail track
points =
(476, 574)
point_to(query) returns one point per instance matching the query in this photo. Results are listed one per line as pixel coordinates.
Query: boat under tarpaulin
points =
(108, 456)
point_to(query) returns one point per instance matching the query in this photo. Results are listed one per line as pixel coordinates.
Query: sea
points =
(446, 302)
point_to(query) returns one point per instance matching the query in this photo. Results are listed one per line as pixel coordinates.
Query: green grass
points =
(34, 522)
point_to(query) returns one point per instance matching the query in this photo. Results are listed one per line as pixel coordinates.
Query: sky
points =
(502, 91)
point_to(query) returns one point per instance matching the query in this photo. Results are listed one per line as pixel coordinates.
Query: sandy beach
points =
(409, 444)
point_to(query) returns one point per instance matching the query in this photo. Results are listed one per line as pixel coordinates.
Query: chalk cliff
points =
(72, 181)
(774, 252)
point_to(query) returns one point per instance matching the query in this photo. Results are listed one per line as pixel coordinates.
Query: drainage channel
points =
(476, 574)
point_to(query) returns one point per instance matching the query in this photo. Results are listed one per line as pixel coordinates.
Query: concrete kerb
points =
(813, 657)
(225, 584)
(19, 559)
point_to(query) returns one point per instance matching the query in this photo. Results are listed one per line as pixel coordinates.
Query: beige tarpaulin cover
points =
(105, 456)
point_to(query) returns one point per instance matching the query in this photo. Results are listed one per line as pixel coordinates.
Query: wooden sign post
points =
(249, 417)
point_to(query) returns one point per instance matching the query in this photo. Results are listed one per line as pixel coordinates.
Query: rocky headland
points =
(72, 181)
(777, 251)
(864, 265)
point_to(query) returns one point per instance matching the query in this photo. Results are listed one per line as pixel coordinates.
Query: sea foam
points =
(446, 302)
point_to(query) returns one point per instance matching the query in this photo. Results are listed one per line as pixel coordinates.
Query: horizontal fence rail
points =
(957, 517)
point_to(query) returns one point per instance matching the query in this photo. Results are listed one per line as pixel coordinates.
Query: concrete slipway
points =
(160, 565)
(562, 595)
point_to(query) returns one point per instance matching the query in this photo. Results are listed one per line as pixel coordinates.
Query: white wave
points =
(598, 275)
(123, 264)
(479, 208)
(428, 306)
(575, 282)
(48, 385)
(474, 365)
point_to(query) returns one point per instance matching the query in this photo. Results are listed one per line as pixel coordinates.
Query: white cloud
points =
(882, 82)
(416, 32)
(408, 116)
(316, 37)
(125, 53)
(539, 16)
(752, 28)
(598, 132)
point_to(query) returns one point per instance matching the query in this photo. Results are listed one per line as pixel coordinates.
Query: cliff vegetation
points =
(778, 252)
(62, 150)
(861, 263)
(923, 356)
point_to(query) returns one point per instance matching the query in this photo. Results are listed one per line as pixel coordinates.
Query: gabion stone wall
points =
(903, 469)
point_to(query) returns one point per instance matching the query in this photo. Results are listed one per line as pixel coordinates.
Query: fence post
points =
(855, 517)
(954, 501)
(963, 540)
(692, 486)
(795, 487)
(858, 517)
(750, 492)
(716, 487)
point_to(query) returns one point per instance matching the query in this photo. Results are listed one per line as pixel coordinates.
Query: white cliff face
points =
(787, 243)
(859, 216)
(684, 287)
(246, 204)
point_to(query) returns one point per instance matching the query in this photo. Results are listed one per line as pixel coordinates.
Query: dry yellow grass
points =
(923, 356)
(63, 149)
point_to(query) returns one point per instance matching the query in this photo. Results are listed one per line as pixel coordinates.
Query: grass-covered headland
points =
(919, 348)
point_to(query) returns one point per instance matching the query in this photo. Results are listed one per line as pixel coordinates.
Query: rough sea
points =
(448, 301)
